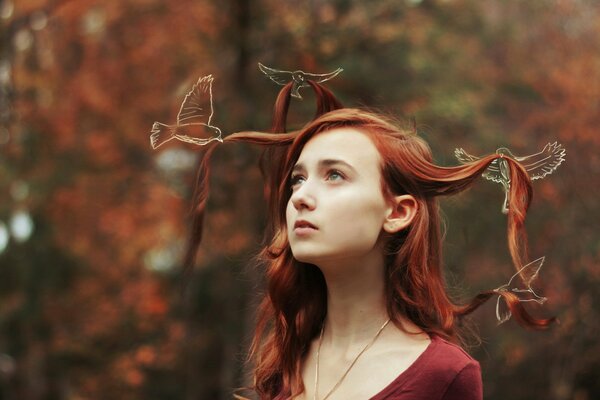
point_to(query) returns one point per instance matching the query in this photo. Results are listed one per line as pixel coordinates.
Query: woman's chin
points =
(304, 258)
(307, 257)
(315, 258)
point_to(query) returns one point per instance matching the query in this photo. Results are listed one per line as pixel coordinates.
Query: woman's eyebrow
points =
(325, 163)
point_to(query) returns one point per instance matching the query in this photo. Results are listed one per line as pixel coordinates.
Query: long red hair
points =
(292, 311)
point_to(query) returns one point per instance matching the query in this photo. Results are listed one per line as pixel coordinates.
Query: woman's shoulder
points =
(459, 373)
(447, 356)
(443, 371)
(441, 361)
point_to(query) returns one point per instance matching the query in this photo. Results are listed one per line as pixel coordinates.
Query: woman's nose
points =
(301, 198)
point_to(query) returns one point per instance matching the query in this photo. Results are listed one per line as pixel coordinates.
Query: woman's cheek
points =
(358, 229)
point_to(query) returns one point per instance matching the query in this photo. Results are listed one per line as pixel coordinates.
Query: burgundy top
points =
(443, 371)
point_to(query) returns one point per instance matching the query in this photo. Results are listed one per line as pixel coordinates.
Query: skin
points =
(344, 200)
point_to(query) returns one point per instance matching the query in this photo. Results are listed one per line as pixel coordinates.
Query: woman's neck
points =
(356, 300)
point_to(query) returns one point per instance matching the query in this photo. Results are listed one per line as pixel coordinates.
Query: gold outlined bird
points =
(193, 120)
(298, 77)
(537, 165)
(528, 274)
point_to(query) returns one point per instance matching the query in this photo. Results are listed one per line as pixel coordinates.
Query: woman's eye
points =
(295, 180)
(332, 175)
(335, 175)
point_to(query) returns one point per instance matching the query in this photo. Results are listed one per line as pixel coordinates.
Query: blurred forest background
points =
(93, 221)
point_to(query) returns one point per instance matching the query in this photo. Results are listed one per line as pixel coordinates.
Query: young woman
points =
(356, 306)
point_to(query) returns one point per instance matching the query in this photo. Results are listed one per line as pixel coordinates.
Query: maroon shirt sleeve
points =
(466, 385)
(443, 372)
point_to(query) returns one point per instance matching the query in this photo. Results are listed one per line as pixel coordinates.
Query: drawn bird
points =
(298, 77)
(537, 165)
(528, 274)
(193, 121)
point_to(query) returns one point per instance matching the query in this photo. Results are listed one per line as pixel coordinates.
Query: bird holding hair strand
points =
(528, 274)
(194, 118)
(537, 165)
(298, 77)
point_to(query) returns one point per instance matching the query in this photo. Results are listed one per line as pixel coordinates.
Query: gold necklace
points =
(349, 368)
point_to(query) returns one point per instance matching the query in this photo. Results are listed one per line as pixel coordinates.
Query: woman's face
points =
(337, 208)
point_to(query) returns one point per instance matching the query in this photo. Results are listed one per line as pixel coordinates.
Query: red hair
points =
(292, 312)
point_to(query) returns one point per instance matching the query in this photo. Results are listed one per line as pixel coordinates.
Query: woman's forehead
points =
(347, 144)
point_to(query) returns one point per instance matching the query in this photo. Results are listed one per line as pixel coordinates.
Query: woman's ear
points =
(400, 214)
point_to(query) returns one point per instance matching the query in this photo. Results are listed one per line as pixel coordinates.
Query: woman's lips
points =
(302, 227)
(304, 230)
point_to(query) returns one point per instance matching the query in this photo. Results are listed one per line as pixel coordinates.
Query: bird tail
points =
(296, 92)
(161, 134)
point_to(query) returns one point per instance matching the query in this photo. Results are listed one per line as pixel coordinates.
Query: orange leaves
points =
(102, 149)
(145, 355)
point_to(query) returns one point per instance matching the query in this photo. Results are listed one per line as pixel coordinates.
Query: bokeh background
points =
(93, 221)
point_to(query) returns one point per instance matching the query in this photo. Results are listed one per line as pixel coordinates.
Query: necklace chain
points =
(351, 364)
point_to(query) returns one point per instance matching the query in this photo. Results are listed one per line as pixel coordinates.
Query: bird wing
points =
(529, 272)
(492, 172)
(197, 103)
(319, 78)
(545, 162)
(464, 157)
(502, 315)
(277, 76)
